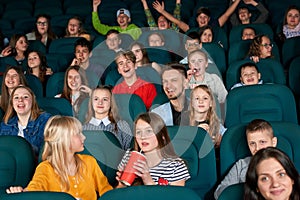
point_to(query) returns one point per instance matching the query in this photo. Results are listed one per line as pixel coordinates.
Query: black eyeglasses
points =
(42, 23)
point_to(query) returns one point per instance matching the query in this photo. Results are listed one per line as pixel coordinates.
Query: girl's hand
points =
(143, 171)
(120, 185)
(85, 89)
(96, 3)
(6, 51)
(49, 71)
(15, 189)
(255, 59)
(205, 126)
(159, 7)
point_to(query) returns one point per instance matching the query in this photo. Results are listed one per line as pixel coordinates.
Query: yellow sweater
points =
(93, 182)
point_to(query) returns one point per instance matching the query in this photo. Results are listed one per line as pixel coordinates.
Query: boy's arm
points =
(264, 13)
(160, 8)
(223, 19)
(98, 26)
(150, 20)
(176, 14)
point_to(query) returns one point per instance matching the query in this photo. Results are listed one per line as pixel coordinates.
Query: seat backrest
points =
(63, 45)
(55, 106)
(294, 76)
(106, 148)
(272, 102)
(235, 34)
(271, 72)
(129, 106)
(58, 62)
(238, 51)
(149, 192)
(40, 195)
(36, 45)
(290, 50)
(55, 84)
(17, 162)
(233, 192)
(217, 53)
(35, 85)
(195, 147)
(234, 144)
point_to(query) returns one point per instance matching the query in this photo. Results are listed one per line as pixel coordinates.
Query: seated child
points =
(249, 75)
(259, 135)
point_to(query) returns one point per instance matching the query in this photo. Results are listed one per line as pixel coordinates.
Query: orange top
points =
(92, 183)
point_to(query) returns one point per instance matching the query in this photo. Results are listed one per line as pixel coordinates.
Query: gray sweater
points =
(237, 174)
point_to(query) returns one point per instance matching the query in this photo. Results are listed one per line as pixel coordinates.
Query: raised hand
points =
(159, 7)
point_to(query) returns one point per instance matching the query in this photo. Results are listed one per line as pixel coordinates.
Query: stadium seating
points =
(41, 195)
(233, 192)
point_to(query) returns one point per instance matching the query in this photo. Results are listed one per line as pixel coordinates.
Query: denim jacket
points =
(33, 133)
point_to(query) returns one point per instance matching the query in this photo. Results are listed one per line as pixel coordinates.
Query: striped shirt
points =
(123, 133)
(170, 169)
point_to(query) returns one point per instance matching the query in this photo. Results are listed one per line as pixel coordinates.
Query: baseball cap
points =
(123, 11)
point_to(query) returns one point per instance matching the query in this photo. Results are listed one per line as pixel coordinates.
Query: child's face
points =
(145, 136)
(192, 45)
(249, 75)
(202, 20)
(162, 23)
(201, 101)
(74, 80)
(77, 142)
(21, 44)
(136, 49)
(12, 79)
(101, 103)
(125, 67)
(197, 63)
(34, 60)
(113, 41)
(260, 139)
(82, 53)
(123, 20)
(248, 34)
(207, 36)
(22, 101)
(73, 27)
(42, 25)
(155, 41)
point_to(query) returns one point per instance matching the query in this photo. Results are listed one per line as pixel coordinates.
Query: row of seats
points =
(196, 148)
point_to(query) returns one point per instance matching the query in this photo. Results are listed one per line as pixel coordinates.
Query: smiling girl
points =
(24, 118)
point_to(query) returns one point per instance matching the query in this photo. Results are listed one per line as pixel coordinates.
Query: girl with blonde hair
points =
(62, 169)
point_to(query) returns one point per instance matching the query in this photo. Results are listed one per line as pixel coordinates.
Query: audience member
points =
(37, 66)
(62, 169)
(243, 16)
(202, 17)
(174, 81)
(43, 30)
(24, 118)
(162, 22)
(103, 115)
(197, 75)
(206, 34)
(83, 52)
(123, 19)
(248, 33)
(142, 58)
(249, 75)
(162, 165)
(202, 113)
(75, 28)
(156, 39)
(291, 25)
(272, 175)
(260, 48)
(113, 40)
(12, 77)
(76, 88)
(133, 84)
(15, 53)
(259, 134)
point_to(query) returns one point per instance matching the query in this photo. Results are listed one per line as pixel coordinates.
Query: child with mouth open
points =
(162, 165)
(249, 75)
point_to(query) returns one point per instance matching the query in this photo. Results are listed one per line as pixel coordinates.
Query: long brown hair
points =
(161, 132)
(4, 90)
(10, 112)
(42, 67)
